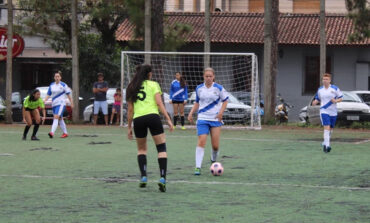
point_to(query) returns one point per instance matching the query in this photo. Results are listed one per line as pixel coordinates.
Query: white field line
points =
(190, 182)
(195, 137)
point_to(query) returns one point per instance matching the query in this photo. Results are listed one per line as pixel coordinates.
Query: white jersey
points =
(324, 96)
(210, 101)
(58, 93)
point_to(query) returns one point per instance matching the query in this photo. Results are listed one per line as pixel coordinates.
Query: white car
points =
(364, 95)
(352, 108)
(88, 111)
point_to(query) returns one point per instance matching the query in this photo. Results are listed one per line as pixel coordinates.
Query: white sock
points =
(199, 153)
(327, 138)
(63, 126)
(214, 154)
(54, 126)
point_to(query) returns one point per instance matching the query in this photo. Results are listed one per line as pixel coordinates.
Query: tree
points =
(359, 13)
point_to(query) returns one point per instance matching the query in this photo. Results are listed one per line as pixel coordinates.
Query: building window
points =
(312, 73)
(256, 6)
(306, 6)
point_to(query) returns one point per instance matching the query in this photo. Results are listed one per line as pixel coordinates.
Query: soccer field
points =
(278, 174)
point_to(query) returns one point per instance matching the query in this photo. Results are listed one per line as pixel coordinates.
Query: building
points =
(298, 63)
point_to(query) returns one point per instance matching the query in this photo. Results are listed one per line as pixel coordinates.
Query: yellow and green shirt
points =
(146, 104)
(33, 104)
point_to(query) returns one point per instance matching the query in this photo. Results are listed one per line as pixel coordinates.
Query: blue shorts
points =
(101, 104)
(204, 127)
(328, 120)
(59, 110)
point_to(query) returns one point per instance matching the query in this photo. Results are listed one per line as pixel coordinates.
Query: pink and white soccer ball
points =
(217, 169)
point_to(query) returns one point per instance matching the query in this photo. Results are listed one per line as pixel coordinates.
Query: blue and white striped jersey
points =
(177, 93)
(324, 96)
(210, 101)
(58, 93)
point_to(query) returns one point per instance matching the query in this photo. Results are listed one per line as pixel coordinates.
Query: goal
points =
(237, 72)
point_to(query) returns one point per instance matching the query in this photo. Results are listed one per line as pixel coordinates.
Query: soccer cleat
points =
(64, 135)
(162, 184)
(183, 127)
(34, 138)
(213, 161)
(143, 181)
(24, 137)
(328, 149)
(197, 171)
(324, 149)
(51, 135)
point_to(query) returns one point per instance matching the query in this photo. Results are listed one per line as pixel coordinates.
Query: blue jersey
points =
(210, 101)
(324, 96)
(178, 93)
(58, 93)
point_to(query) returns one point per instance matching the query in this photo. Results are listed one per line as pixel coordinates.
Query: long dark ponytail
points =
(32, 95)
(142, 74)
(182, 80)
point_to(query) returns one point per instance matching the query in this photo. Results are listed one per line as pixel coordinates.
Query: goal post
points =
(236, 72)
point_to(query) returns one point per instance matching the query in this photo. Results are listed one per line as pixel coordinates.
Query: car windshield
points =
(349, 97)
(365, 97)
(110, 94)
(43, 92)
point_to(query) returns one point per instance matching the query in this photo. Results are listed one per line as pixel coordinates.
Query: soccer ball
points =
(217, 169)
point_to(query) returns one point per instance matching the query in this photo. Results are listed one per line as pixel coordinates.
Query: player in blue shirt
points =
(178, 96)
(58, 91)
(328, 96)
(211, 101)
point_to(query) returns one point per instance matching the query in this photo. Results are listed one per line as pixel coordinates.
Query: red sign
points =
(18, 44)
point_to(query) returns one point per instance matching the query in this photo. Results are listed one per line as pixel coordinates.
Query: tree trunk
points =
(75, 65)
(9, 66)
(148, 24)
(207, 33)
(270, 57)
(322, 39)
(157, 25)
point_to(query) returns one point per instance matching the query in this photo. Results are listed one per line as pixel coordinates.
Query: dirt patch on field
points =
(44, 149)
(99, 143)
(87, 136)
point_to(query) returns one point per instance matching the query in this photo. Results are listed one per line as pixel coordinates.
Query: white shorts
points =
(100, 104)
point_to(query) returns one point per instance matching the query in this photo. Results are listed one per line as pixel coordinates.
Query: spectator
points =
(100, 91)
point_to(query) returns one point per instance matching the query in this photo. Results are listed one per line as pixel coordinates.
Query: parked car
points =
(16, 107)
(48, 107)
(352, 108)
(235, 112)
(88, 111)
(364, 95)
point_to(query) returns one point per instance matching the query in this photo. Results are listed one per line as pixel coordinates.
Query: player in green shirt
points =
(31, 105)
(143, 97)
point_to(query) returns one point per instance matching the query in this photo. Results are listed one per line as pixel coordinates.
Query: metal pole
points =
(207, 33)
(9, 66)
(75, 65)
(147, 38)
(322, 39)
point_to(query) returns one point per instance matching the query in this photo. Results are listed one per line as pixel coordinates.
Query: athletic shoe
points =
(24, 137)
(162, 184)
(197, 171)
(143, 182)
(212, 161)
(183, 127)
(324, 149)
(64, 135)
(34, 138)
(51, 135)
(328, 149)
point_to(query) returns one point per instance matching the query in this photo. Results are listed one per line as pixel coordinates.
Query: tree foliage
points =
(359, 12)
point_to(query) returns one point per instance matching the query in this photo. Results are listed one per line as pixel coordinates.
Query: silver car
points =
(352, 108)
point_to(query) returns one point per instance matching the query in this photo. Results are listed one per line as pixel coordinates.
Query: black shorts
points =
(151, 121)
(28, 109)
(177, 102)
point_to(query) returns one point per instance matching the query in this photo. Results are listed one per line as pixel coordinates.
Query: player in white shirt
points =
(58, 91)
(211, 102)
(328, 96)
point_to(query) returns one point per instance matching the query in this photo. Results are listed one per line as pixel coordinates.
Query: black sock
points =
(175, 120)
(182, 120)
(142, 164)
(26, 130)
(162, 166)
(35, 129)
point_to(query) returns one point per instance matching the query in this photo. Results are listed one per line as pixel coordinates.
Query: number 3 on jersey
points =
(141, 95)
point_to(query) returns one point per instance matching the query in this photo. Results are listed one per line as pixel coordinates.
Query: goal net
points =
(237, 72)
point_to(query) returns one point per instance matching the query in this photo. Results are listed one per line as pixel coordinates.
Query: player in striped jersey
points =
(178, 96)
(328, 96)
(58, 91)
(211, 101)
